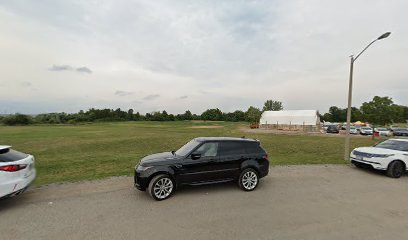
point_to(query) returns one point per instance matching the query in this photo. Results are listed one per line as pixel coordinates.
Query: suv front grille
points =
(367, 155)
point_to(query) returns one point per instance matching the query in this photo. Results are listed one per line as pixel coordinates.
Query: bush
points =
(17, 119)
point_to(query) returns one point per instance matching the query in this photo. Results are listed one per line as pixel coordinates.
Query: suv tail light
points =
(12, 168)
(265, 157)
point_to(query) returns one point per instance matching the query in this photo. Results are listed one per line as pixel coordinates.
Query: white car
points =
(383, 132)
(366, 131)
(17, 171)
(390, 155)
(353, 130)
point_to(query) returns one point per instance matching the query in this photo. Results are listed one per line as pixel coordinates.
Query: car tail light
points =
(265, 157)
(12, 168)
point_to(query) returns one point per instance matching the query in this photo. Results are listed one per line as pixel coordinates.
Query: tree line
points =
(380, 110)
(100, 115)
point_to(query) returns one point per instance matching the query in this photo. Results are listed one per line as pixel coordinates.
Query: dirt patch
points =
(213, 126)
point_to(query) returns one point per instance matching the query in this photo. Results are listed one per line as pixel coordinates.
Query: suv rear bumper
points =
(264, 170)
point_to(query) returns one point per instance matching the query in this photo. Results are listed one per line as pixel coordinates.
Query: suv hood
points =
(157, 158)
(377, 150)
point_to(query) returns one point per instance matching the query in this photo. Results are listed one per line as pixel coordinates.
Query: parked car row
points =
(363, 130)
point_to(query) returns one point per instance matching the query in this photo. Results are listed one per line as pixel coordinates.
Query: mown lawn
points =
(91, 151)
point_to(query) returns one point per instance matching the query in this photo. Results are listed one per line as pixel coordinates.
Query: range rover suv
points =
(201, 161)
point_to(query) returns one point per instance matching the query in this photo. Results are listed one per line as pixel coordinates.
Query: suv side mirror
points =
(195, 156)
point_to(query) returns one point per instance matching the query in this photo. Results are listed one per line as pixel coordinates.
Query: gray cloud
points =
(183, 97)
(83, 70)
(123, 93)
(58, 68)
(25, 84)
(151, 97)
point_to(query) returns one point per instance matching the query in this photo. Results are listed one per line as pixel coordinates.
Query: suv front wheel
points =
(248, 180)
(161, 187)
(395, 169)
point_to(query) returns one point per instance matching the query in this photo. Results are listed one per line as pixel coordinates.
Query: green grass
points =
(92, 151)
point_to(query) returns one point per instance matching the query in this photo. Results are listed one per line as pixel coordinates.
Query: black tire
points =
(161, 187)
(248, 179)
(396, 169)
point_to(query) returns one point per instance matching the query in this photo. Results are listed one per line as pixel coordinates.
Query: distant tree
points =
(271, 105)
(171, 117)
(130, 115)
(187, 115)
(137, 117)
(148, 117)
(253, 115)
(379, 111)
(214, 114)
(17, 119)
(165, 116)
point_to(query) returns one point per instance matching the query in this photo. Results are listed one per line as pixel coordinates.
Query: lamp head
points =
(384, 35)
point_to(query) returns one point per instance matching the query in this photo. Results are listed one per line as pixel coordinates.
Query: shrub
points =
(17, 119)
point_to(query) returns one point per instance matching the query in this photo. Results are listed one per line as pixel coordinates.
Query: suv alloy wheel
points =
(161, 187)
(248, 180)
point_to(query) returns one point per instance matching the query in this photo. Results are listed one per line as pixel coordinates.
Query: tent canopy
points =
(293, 117)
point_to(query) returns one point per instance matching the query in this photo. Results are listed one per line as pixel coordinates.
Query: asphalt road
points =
(296, 202)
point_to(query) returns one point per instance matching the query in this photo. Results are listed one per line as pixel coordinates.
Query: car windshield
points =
(187, 148)
(366, 128)
(382, 129)
(394, 145)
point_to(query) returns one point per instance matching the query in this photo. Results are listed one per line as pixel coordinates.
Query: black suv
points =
(332, 129)
(201, 161)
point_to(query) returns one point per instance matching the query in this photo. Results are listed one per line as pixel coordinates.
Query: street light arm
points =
(364, 49)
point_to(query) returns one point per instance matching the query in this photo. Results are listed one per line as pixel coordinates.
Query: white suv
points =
(390, 155)
(17, 171)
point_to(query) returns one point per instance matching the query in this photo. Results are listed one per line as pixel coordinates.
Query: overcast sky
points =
(149, 55)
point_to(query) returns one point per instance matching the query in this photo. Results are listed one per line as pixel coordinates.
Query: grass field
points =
(91, 151)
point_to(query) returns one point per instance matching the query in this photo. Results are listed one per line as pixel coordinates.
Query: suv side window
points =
(253, 148)
(231, 148)
(208, 149)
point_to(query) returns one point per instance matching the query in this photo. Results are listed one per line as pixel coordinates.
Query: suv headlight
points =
(143, 168)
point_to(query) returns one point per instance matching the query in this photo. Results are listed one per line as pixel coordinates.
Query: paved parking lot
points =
(296, 202)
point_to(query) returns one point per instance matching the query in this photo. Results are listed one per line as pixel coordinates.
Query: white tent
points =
(290, 117)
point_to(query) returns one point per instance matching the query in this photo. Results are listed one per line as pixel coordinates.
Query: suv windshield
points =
(394, 145)
(187, 148)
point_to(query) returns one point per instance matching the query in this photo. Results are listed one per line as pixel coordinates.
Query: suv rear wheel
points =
(248, 180)
(395, 169)
(161, 187)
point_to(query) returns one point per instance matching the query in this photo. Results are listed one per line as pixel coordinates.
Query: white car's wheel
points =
(396, 169)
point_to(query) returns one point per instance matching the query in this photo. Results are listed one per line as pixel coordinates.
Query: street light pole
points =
(350, 94)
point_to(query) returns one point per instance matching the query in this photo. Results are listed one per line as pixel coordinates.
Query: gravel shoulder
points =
(293, 202)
